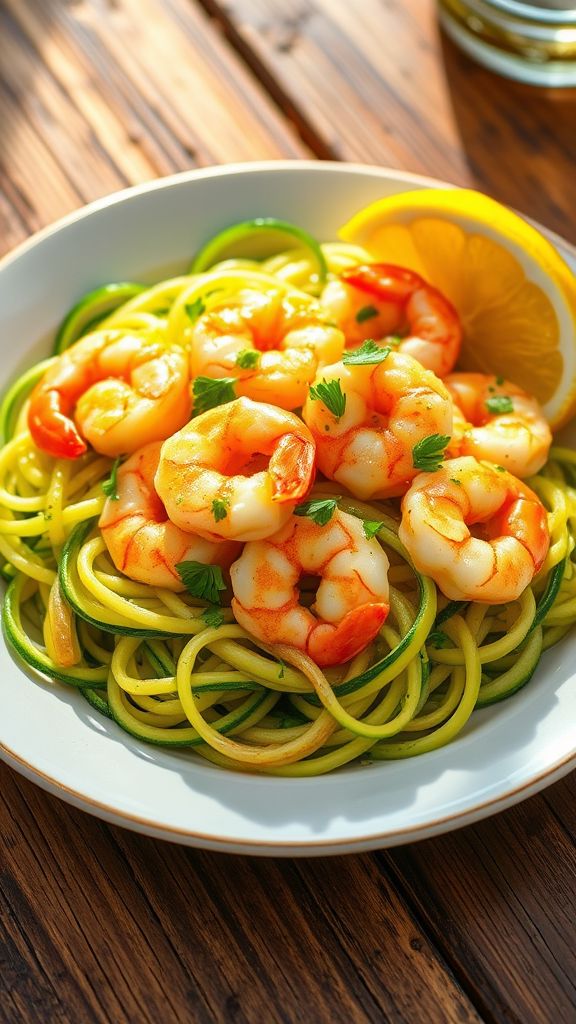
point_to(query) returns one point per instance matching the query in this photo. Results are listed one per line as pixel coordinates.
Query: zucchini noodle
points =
(147, 657)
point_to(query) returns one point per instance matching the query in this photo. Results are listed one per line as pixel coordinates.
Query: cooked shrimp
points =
(480, 533)
(114, 390)
(499, 422)
(142, 541)
(236, 471)
(351, 602)
(378, 300)
(272, 343)
(390, 408)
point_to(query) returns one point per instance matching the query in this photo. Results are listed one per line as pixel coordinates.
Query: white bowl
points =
(54, 738)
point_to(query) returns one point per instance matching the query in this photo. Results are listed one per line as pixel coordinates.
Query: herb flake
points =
(499, 404)
(110, 486)
(219, 509)
(195, 309)
(213, 617)
(366, 313)
(428, 454)
(248, 358)
(203, 581)
(330, 394)
(319, 511)
(438, 639)
(367, 355)
(371, 527)
(209, 393)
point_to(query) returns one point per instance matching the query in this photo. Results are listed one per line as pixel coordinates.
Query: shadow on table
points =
(518, 139)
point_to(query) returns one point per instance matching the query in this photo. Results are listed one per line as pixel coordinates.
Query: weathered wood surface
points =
(96, 923)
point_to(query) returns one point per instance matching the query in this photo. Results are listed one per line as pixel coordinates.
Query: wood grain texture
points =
(124, 928)
(98, 924)
(377, 83)
(98, 95)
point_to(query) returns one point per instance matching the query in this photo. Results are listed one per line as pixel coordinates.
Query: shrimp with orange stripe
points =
(141, 540)
(480, 533)
(391, 304)
(270, 343)
(498, 421)
(113, 390)
(352, 601)
(372, 415)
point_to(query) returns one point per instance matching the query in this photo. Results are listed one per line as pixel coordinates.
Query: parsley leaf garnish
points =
(110, 486)
(366, 313)
(499, 381)
(213, 617)
(281, 669)
(366, 355)
(330, 393)
(319, 511)
(428, 454)
(438, 638)
(371, 527)
(203, 581)
(195, 309)
(209, 393)
(219, 509)
(248, 358)
(499, 404)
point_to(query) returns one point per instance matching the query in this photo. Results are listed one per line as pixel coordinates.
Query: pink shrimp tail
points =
(384, 280)
(333, 645)
(50, 425)
(292, 467)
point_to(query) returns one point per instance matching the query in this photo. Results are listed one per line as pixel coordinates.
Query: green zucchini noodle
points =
(150, 659)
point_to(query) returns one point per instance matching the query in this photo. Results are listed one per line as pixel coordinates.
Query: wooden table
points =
(100, 924)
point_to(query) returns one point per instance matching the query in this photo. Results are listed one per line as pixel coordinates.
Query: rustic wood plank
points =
(127, 928)
(500, 901)
(377, 84)
(90, 114)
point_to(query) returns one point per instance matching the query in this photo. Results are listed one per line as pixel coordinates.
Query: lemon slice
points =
(514, 292)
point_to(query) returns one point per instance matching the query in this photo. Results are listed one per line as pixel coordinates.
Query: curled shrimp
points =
(390, 408)
(480, 533)
(140, 538)
(352, 600)
(379, 300)
(270, 342)
(495, 420)
(114, 390)
(236, 471)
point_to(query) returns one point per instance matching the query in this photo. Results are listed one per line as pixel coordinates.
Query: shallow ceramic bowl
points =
(52, 736)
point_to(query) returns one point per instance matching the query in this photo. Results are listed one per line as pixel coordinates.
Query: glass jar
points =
(534, 42)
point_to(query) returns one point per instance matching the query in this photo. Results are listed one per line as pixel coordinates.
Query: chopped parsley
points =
(248, 358)
(110, 486)
(213, 617)
(281, 668)
(330, 394)
(438, 639)
(369, 353)
(428, 454)
(499, 381)
(319, 511)
(499, 404)
(219, 509)
(371, 527)
(366, 313)
(209, 393)
(195, 309)
(203, 581)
